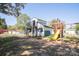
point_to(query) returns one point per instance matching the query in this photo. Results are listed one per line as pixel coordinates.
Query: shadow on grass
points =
(16, 46)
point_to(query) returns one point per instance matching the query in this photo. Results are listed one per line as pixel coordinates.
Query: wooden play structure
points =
(58, 30)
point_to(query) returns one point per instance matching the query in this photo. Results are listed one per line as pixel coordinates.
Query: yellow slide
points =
(56, 35)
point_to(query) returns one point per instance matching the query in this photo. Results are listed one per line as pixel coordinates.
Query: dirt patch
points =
(38, 47)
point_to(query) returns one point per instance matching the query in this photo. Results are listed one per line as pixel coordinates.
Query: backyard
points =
(39, 30)
(25, 46)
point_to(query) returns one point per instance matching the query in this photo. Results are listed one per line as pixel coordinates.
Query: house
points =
(39, 27)
(70, 29)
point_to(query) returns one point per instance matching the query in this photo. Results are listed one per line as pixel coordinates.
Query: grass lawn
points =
(20, 46)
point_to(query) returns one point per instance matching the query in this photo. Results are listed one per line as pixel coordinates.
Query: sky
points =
(68, 13)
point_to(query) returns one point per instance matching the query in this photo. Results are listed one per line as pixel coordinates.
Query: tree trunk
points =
(36, 31)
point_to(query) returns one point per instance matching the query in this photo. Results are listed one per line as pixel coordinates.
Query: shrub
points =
(72, 38)
(2, 31)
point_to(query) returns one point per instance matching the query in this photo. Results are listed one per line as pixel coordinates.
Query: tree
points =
(53, 22)
(23, 21)
(13, 27)
(3, 24)
(77, 28)
(11, 8)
